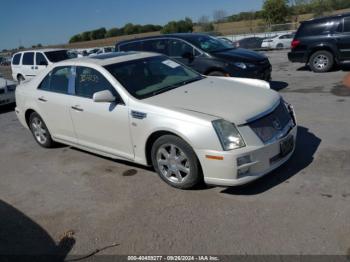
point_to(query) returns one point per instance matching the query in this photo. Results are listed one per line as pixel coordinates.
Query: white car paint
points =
(188, 112)
(7, 91)
(28, 71)
(280, 41)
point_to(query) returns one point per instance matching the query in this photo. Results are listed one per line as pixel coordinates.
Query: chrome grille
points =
(274, 125)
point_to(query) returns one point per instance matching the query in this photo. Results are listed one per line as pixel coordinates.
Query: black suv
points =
(205, 54)
(322, 43)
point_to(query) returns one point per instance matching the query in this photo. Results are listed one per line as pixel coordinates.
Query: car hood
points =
(232, 100)
(240, 55)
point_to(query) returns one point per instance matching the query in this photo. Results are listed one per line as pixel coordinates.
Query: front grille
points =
(274, 125)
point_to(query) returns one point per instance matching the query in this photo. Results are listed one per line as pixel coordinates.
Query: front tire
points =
(40, 132)
(321, 61)
(175, 162)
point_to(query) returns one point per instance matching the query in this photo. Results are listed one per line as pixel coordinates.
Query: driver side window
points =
(178, 48)
(89, 81)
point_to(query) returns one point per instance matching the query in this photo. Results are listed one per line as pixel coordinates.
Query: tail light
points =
(295, 43)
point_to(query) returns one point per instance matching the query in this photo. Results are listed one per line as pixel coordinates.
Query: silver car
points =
(151, 110)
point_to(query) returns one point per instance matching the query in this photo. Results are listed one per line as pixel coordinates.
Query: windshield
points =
(151, 76)
(209, 43)
(57, 56)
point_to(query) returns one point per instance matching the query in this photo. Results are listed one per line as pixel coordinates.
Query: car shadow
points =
(344, 67)
(7, 108)
(278, 85)
(306, 146)
(22, 239)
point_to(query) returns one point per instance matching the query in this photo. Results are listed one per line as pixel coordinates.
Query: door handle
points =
(42, 99)
(77, 108)
(36, 67)
(32, 67)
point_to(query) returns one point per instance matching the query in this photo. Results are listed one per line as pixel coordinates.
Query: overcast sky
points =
(31, 22)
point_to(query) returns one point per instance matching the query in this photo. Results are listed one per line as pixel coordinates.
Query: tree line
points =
(273, 12)
(281, 11)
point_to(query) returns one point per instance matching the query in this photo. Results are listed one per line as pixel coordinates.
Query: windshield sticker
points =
(170, 63)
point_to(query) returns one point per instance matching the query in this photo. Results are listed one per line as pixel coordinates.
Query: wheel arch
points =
(27, 115)
(214, 69)
(322, 48)
(157, 134)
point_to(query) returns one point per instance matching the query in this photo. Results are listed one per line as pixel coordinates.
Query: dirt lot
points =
(301, 208)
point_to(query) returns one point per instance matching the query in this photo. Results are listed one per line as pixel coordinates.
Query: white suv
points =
(27, 64)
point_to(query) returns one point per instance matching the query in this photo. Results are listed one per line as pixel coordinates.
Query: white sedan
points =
(7, 91)
(148, 109)
(278, 42)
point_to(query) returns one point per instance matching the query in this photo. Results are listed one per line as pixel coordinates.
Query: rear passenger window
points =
(89, 81)
(57, 81)
(314, 29)
(28, 58)
(133, 46)
(16, 59)
(347, 25)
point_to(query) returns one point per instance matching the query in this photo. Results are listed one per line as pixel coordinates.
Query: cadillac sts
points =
(149, 109)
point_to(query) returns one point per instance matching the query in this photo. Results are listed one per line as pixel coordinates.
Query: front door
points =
(100, 126)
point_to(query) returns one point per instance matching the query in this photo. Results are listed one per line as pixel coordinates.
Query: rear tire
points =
(175, 162)
(321, 61)
(279, 46)
(216, 73)
(40, 132)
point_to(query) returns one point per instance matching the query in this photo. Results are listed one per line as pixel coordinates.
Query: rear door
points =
(28, 68)
(15, 65)
(53, 97)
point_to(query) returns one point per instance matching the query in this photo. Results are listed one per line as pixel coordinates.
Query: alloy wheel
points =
(39, 130)
(173, 163)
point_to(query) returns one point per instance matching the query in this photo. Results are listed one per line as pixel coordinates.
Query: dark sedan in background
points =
(205, 54)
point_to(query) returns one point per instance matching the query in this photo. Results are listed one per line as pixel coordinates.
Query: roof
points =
(41, 50)
(177, 35)
(326, 18)
(107, 59)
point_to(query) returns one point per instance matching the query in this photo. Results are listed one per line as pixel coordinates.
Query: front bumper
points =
(262, 73)
(263, 160)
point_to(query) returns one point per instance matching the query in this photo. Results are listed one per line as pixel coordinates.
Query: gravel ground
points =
(301, 208)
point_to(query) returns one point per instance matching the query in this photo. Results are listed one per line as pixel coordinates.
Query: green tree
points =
(98, 33)
(75, 38)
(182, 26)
(86, 36)
(320, 7)
(275, 11)
(114, 32)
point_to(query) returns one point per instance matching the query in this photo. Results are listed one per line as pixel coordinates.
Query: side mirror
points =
(188, 55)
(105, 96)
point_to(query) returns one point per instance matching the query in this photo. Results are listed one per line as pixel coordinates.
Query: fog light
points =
(243, 172)
(243, 160)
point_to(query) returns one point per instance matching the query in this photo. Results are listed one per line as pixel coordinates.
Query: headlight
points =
(243, 65)
(228, 135)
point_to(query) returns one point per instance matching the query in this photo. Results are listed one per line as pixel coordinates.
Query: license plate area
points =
(286, 146)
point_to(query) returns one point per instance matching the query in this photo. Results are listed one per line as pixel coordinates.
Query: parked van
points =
(27, 64)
